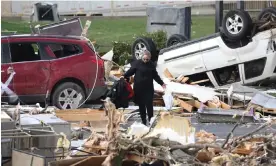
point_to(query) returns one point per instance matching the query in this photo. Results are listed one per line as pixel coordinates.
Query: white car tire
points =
(267, 14)
(140, 45)
(175, 39)
(236, 24)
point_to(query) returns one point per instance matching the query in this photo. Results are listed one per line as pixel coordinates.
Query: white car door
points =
(258, 57)
(216, 54)
(256, 49)
(182, 59)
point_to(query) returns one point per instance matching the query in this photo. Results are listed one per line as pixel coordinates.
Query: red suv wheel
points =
(68, 95)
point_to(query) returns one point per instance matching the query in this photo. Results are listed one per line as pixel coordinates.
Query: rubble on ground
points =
(149, 144)
(170, 139)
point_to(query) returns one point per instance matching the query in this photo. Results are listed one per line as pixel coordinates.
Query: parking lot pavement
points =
(221, 130)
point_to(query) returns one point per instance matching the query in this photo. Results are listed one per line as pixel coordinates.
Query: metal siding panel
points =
(101, 6)
(84, 6)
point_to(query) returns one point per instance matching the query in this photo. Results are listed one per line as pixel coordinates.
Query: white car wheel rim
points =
(69, 99)
(139, 50)
(234, 24)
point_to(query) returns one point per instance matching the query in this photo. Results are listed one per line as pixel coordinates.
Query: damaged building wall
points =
(170, 20)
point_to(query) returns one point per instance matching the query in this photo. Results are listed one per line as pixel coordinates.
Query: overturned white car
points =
(241, 52)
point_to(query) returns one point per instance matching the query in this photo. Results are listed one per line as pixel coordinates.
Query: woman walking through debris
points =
(145, 72)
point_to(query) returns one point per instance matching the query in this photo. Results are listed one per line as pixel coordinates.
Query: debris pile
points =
(152, 146)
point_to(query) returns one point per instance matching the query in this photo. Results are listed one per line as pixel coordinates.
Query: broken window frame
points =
(61, 44)
(253, 63)
(31, 43)
(45, 14)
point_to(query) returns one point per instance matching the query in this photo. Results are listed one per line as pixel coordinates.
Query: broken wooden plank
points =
(180, 78)
(221, 104)
(210, 104)
(94, 147)
(198, 82)
(74, 115)
(184, 80)
(185, 105)
(267, 110)
(225, 106)
(261, 109)
(168, 74)
(196, 103)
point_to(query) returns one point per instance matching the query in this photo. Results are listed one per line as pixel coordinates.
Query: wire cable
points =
(97, 70)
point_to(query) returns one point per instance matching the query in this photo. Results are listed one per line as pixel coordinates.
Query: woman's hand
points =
(164, 86)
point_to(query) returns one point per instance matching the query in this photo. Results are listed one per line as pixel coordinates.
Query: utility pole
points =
(219, 15)
(240, 5)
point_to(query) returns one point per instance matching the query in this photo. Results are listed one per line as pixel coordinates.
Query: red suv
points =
(61, 69)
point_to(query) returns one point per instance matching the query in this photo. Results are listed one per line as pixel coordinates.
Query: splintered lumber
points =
(211, 105)
(168, 74)
(220, 104)
(262, 109)
(245, 148)
(180, 78)
(225, 106)
(86, 114)
(184, 80)
(198, 104)
(271, 111)
(198, 82)
(185, 105)
(195, 103)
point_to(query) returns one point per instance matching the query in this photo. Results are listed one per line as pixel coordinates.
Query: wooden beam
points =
(225, 106)
(184, 80)
(196, 104)
(180, 78)
(212, 105)
(198, 82)
(185, 105)
(168, 74)
(81, 115)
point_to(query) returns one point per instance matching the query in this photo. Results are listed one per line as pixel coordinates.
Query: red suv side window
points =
(65, 50)
(22, 52)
